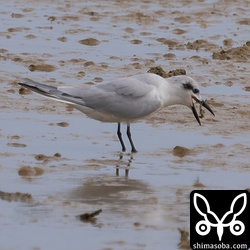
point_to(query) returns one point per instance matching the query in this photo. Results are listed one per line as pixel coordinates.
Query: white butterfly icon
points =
(203, 227)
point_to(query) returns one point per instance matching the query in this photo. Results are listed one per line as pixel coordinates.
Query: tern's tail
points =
(40, 88)
(51, 92)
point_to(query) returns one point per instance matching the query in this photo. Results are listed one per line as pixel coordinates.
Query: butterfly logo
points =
(203, 227)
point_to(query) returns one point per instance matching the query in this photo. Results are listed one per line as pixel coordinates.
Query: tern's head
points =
(190, 93)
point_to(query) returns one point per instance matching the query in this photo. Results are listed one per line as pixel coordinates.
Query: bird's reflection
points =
(124, 164)
(112, 189)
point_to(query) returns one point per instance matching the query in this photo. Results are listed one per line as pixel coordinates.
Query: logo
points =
(219, 218)
(203, 227)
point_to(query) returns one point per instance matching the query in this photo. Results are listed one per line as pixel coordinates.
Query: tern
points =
(127, 99)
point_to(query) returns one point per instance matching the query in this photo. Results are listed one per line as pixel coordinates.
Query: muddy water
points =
(56, 164)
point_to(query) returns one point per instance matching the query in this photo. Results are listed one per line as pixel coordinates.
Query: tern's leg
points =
(120, 137)
(130, 139)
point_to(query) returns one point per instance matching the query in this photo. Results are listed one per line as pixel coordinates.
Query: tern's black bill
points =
(196, 114)
(205, 105)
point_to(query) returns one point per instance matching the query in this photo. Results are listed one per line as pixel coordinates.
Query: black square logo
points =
(220, 219)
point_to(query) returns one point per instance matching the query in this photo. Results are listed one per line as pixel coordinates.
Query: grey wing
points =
(126, 98)
(51, 92)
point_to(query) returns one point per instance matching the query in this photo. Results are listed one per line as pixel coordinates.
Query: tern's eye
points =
(196, 91)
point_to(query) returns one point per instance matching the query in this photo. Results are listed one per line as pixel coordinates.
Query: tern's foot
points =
(134, 150)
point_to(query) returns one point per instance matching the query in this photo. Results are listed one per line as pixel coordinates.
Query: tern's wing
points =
(51, 92)
(127, 98)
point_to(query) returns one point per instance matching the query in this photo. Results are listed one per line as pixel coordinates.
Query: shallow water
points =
(144, 206)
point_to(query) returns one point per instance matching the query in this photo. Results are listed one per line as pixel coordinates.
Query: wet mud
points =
(16, 197)
(160, 71)
(30, 171)
(89, 217)
(239, 54)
